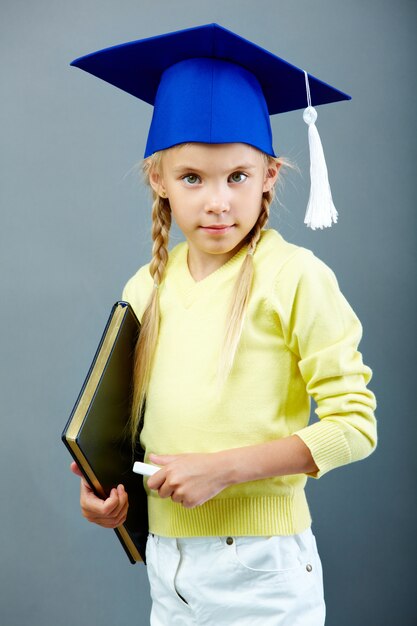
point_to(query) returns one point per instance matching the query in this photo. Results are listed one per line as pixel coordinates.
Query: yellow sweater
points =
(299, 339)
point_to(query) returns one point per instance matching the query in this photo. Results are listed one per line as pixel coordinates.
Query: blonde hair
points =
(148, 337)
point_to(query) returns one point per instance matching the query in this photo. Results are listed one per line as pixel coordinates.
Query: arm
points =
(281, 457)
(192, 479)
(108, 513)
(323, 332)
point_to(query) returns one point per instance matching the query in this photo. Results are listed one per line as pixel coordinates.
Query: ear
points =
(157, 183)
(271, 175)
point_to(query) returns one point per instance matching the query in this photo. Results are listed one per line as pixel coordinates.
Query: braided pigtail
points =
(241, 293)
(148, 337)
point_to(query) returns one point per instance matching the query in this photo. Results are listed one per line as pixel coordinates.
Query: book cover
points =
(97, 434)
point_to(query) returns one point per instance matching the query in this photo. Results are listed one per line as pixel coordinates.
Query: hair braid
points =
(261, 221)
(148, 337)
(241, 293)
(161, 224)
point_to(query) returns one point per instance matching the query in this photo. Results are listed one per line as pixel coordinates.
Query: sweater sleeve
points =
(323, 331)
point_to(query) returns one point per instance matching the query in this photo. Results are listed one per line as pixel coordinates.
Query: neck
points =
(202, 265)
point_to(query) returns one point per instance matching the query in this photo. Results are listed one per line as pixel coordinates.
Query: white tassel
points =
(321, 212)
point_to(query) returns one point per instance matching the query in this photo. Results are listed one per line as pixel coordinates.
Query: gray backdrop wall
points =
(75, 225)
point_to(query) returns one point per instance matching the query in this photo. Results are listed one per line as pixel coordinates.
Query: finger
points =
(75, 469)
(168, 491)
(177, 497)
(157, 480)
(162, 459)
(94, 507)
(118, 515)
(85, 489)
(123, 501)
(107, 522)
(116, 501)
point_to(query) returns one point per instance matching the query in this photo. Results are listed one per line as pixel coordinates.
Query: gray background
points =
(75, 225)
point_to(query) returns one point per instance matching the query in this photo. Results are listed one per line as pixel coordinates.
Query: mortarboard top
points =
(207, 85)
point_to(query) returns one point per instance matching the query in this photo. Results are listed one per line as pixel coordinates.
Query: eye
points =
(237, 177)
(191, 179)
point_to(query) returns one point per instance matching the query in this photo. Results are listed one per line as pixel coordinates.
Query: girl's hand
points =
(189, 479)
(108, 513)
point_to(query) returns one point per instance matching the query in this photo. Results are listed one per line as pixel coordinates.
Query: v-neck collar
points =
(190, 289)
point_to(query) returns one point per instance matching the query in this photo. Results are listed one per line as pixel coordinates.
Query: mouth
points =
(217, 229)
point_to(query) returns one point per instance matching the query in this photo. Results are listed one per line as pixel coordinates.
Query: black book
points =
(97, 434)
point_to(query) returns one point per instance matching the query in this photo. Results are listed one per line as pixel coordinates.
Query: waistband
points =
(248, 516)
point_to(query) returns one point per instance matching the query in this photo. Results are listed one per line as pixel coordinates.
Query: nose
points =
(217, 202)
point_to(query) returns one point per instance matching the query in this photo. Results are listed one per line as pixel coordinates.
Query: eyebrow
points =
(192, 168)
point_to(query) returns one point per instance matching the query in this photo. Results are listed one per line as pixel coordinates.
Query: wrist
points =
(279, 457)
(234, 466)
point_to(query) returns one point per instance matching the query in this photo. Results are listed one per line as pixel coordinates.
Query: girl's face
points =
(215, 193)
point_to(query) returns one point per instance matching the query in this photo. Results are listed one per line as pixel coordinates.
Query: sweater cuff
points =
(327, 444)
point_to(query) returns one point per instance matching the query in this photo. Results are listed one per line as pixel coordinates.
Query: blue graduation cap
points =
(209, 85)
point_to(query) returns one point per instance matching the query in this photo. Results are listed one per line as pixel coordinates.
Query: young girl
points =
(239, 329)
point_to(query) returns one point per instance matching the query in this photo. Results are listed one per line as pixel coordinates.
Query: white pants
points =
(247, 581)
